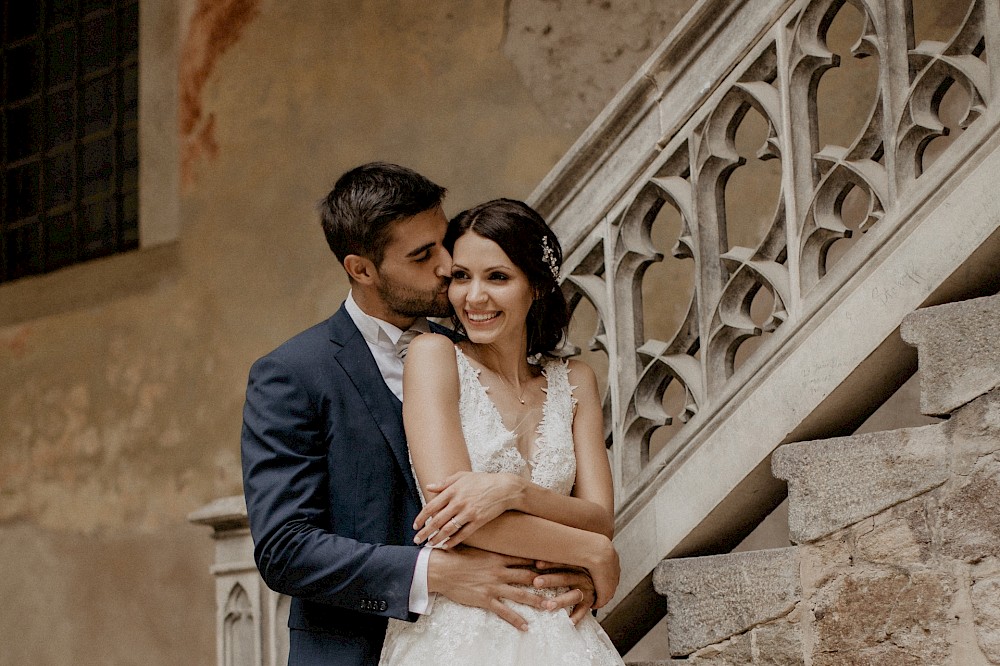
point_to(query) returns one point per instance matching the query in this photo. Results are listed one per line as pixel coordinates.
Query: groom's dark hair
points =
(358, 213)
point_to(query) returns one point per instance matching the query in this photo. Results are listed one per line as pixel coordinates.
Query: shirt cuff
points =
(421, 600)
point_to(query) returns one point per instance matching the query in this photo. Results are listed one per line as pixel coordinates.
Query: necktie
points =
(403, 344)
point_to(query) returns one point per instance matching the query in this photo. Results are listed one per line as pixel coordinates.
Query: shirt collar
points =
(375, 330)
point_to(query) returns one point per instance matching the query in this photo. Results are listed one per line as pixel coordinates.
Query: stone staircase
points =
(897, 534)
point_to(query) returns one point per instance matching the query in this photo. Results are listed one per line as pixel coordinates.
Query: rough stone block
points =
(975, 432)
(737, 650)
(824, 560)
(883, 617)
(836, 482)
(844, 610)
(958, 347)
(710, 599)
(882, 655)
(777, 644)
(970, 506)
(900, 535)
(986, 606)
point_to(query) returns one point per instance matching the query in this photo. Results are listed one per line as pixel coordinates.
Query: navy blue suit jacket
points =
(329, 491)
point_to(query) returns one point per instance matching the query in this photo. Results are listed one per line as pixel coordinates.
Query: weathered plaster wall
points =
(212, 30)
(574, 56)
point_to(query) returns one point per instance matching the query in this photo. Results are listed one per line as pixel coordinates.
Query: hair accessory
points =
(549, 257)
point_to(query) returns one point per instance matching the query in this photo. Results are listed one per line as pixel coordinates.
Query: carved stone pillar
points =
(251, 620)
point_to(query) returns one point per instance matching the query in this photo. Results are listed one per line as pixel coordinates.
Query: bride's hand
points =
(605, 570)
(465, 502)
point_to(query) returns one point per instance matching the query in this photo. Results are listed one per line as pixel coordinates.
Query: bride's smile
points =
(479, 318)
(490, 294)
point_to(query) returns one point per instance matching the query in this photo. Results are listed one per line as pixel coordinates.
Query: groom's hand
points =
(581, 596)
(483, 579)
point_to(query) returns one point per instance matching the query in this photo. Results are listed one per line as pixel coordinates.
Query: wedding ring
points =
(457, 525)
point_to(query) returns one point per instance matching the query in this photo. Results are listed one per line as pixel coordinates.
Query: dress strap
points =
(554, 461)
(468, 374)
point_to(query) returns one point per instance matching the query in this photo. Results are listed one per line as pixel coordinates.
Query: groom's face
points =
(413, 277)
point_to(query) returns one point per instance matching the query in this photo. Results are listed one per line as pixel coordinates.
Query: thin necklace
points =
(520, 397)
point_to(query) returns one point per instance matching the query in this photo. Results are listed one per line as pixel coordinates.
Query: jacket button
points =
(382, 605)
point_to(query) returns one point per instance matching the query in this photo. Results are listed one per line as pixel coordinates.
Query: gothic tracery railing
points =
(827, 195)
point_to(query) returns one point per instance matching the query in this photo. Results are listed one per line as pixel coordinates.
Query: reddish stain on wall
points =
(17, 343)
(215, 27)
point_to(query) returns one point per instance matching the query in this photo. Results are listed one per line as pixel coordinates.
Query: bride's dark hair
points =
(529, 242)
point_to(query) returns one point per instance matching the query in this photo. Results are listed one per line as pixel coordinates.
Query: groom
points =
(330, 495)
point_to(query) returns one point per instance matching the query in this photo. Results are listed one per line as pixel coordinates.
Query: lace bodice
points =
(492, 447)
(457, 634)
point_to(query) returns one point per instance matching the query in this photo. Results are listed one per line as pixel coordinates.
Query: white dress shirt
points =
(381, 337)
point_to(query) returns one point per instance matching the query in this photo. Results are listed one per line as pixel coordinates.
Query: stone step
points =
(710, 599)
(958, 349)
(730, 609)
(884, 591)
(834, 483)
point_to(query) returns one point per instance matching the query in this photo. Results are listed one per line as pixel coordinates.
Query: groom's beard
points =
(408, 302)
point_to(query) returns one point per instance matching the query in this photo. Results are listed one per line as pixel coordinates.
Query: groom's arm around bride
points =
(330, 495)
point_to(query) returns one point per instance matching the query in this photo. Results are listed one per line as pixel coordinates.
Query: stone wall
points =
(914, 584)
(898, 555)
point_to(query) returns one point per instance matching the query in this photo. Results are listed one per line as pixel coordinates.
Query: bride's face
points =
(490, 294)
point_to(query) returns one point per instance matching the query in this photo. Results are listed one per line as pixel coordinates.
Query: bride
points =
(508, 451)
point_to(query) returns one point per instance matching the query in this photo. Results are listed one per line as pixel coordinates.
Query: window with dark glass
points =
(69, 129)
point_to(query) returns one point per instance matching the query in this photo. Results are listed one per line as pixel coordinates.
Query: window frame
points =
(155, 259)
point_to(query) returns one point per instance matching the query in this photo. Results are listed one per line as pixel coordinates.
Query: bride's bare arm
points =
(473, 499)
(438, 450)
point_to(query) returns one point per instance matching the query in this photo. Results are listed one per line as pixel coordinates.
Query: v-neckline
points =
(512, 436)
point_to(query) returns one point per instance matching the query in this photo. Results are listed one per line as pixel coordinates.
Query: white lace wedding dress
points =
(457, 634)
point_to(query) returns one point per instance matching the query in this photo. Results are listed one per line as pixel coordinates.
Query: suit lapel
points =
(356, 359)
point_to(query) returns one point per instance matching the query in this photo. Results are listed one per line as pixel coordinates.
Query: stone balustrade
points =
(746, 232)
(667, 142)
